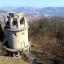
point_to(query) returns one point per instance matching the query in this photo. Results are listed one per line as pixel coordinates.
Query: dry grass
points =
(10, 60)
(44, 41)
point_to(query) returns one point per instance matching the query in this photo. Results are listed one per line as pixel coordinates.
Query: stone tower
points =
(16, 30)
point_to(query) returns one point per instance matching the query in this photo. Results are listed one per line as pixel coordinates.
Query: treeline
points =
(54, 27)
(47, 36)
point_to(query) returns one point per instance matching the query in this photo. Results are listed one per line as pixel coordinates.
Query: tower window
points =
(22, 20)
(14, 21)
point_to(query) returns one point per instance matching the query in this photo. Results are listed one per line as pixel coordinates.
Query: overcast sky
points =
(31, 3)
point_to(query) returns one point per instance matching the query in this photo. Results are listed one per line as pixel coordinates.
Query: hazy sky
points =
(32, 3)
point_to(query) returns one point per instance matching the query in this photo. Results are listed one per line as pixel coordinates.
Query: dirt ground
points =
(11, 60)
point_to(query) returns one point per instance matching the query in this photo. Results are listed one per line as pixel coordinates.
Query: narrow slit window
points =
(22, 20)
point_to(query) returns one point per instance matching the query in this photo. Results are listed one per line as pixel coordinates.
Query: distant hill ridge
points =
(2, 11)
(42, 11)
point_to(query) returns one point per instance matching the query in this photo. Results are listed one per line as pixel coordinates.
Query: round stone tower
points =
(16, 29)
